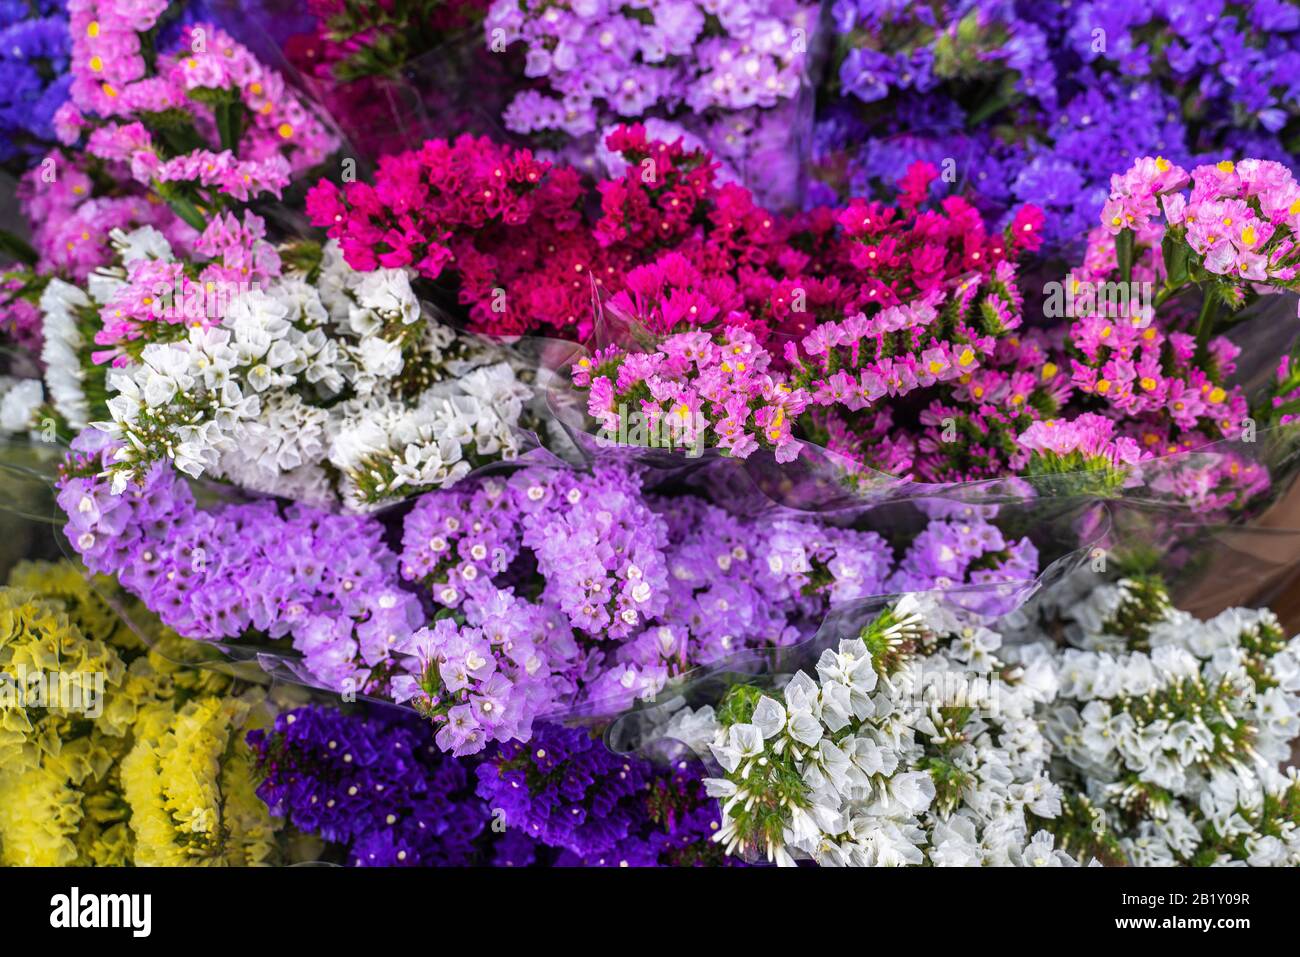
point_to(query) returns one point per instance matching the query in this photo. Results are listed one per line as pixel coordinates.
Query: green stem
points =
(1164, 295)
(230, 121)
(182, 206)
(1124, 253)
(1205, 321)
(986, 109)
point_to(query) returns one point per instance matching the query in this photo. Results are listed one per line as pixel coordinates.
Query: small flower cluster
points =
(73, 217)
(210, 83)
(661, 586)
(34, 78)
(718, 388)
(670, 247)
(931, 340)
(945, 81)
(1172, 730)
(149, 767)
(567, 790)
(338, 388)
(968, 558)
(372, 784)
(486, 681)
(167, 121)
(374, 787)
(1238, 222)
(326, 581)
(732, 390)
(564, 789)
(594, 539)
(520, 628)
(21, 401)
(914, 745)
(1132, 384)
(422, 198)
(597, 61)
(1083, 444)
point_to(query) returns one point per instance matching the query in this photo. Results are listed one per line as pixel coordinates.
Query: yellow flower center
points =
(1227, 166)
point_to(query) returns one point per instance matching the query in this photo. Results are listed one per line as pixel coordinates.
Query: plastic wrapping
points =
(819, 479)
(642, 730)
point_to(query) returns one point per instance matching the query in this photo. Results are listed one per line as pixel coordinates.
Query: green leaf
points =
(230, 123)
(1175, 255)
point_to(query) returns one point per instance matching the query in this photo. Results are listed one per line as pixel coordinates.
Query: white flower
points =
(379, 357)
(144, 242)
(19, 401)
(61, 350)
(769, 717)
(388, 293)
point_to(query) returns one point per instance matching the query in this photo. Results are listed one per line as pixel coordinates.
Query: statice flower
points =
(596, 543)
(913, 745)
(595, 62)
(564, 788)
(486, 682)
(1237, 223)
(20, 317)
(1169, 731)
(137, 756)
(342, 388)
(21, 402)
(34, 78)
(1017, 101)
(1282, 402)
(697, 388)
(371, 783)
(325, 581)
(972, 559)
(263, 132)
(1080, 446)
(73, 221)
(659, 585)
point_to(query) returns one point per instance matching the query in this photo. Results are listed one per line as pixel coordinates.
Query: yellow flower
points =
(161, 774)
